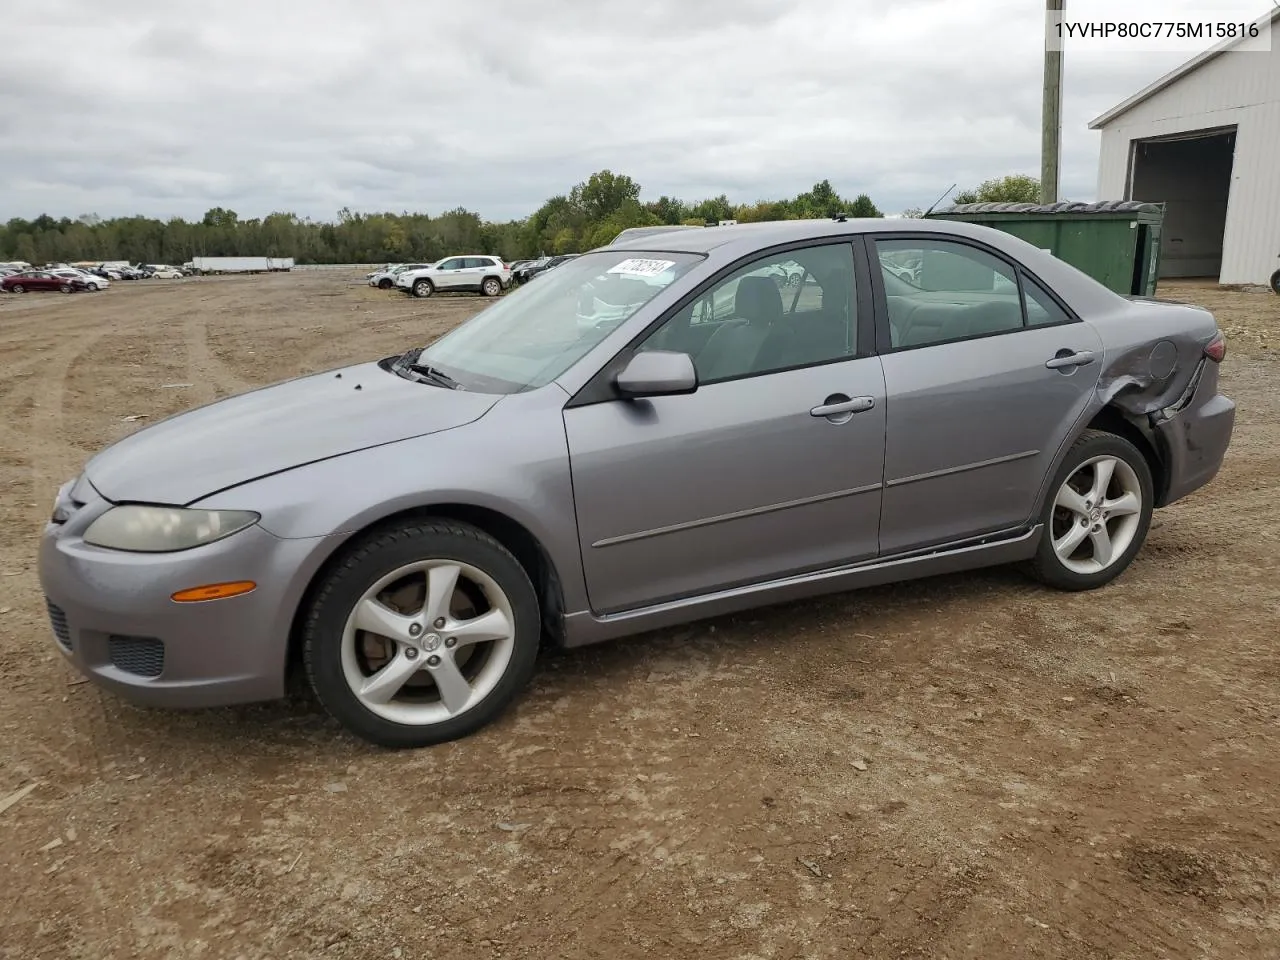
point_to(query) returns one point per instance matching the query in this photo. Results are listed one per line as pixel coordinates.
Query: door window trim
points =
(883, 334)
(600, 388)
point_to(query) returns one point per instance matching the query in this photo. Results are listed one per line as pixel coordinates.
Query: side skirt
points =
(584, 628)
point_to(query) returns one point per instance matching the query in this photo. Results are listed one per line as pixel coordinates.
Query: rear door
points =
(987, 374)
(477, 268)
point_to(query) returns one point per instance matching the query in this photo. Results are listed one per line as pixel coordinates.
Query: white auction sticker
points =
(642, 268)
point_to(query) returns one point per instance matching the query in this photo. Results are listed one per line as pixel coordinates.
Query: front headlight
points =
(143, 529)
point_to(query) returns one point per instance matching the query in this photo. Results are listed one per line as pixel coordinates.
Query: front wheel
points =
(18, 288)
(1098, 514)
(423, 634)
(1275, 281)
(65, 287)
(384, 284)
(491, 287)
(423, 288)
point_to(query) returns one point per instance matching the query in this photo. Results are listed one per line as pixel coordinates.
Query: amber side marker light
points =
(215, 591)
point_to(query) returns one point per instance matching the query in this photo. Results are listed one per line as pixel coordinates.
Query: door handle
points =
(1067, 358)
(841, 407)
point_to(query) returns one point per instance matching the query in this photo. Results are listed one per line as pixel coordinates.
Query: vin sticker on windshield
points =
(642, 268)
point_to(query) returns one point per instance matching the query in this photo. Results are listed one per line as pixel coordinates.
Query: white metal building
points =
(1205, 140)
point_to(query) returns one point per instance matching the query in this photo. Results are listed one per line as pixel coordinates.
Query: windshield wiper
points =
(407, 363)
(433, 374)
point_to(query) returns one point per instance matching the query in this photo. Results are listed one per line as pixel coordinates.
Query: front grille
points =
(58, 619)
(142, 656)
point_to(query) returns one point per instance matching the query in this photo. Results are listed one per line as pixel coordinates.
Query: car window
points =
(937, 291)
(527, 340)
(479, 263)
(1042, 309)
(454, 263)
(778, 312)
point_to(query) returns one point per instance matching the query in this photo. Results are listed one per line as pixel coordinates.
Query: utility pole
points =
(1051, 113)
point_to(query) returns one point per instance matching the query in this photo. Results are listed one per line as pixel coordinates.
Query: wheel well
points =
(1112, 420)
(524, 546)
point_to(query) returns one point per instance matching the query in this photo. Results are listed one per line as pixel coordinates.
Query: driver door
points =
(449, 274)
(772, 467)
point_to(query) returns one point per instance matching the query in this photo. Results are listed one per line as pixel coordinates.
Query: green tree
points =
(604, 194)
(1014, 188)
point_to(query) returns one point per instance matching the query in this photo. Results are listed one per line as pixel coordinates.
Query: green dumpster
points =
(1117, 242)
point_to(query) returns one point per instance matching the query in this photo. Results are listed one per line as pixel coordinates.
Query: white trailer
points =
(280, 263)
(231, 264)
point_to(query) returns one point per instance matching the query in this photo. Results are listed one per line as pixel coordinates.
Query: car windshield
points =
(532, 336)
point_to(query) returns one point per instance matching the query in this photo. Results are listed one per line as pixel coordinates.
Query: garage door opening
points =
(1190, 173)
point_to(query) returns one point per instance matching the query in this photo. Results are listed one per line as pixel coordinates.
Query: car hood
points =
(229, 442)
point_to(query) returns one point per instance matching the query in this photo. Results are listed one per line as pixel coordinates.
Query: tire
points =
(17, 288)
(410, 711)
(1071, 502)
(1275, 281)
(491, 286)
(384, 284)
(65, 288)
(423, 288)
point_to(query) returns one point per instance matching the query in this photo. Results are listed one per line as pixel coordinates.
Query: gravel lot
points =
(970, 766)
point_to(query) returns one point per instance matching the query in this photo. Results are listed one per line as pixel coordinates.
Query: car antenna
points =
(938, 201)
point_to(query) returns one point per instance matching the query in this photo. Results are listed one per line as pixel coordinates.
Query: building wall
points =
(1240, 89)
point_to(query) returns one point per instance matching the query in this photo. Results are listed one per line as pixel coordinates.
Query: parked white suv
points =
(475, 272)
(386, 279)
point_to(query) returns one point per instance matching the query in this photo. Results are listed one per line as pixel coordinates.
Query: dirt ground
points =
(970, 766)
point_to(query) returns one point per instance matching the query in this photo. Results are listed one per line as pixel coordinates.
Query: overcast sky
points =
(167, 109)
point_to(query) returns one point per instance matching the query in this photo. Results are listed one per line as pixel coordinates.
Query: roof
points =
(745, 237)
(1173, 76)
(1066, 206)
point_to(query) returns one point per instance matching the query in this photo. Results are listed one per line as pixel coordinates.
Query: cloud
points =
(168, 109)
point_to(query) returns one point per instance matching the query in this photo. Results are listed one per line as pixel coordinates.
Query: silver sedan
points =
(658, 431)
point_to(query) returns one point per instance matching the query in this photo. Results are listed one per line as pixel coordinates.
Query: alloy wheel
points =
(428, 642)
(1096, 514)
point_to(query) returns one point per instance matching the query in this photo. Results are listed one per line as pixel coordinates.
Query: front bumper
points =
(114, 621)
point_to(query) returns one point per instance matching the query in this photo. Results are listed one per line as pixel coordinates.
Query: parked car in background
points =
(386, 279)
(91, 281)
(542, 265)
(477, 273)
(524, 476)
(42, 281)
(164, 272)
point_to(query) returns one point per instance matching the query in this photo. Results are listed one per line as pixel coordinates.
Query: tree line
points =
(589, 215)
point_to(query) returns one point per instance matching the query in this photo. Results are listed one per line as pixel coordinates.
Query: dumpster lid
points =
(1066, 206)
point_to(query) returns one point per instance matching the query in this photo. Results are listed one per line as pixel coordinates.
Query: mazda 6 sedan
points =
(408, 530)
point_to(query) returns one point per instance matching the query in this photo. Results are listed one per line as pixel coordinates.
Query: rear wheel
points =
(1275, 281)
(423, 288)
(491, 287)
(1097, 516)
(424, 633)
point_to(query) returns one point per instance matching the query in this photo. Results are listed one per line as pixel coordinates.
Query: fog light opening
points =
(214, 591)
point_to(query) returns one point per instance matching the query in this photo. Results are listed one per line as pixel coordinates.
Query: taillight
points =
(1216, 348)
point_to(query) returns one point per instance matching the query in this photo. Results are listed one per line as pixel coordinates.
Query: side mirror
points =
(657, 373)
